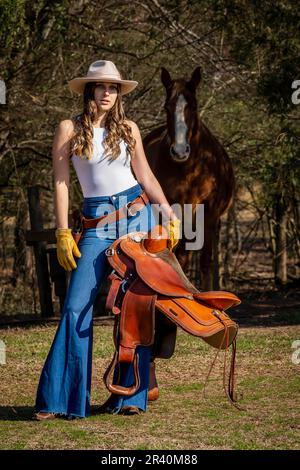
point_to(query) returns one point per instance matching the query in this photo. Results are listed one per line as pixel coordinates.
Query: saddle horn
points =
(156, 239)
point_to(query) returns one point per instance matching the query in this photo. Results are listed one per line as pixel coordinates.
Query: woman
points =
(107, 153)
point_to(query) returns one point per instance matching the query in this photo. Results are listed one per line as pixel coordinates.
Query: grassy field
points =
(267, 379)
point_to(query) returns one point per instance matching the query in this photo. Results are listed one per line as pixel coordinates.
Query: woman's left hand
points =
(173, 227)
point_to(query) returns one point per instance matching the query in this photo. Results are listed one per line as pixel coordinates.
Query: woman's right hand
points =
(66, 247)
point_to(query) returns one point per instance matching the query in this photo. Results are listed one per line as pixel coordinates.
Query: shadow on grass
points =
(16, 413)
(267, 308)
(26, 413)
(28, 321)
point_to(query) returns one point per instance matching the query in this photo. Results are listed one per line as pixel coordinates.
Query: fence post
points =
(40, 254)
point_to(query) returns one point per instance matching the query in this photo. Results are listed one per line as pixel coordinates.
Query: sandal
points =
(130, 410)
(41, 415)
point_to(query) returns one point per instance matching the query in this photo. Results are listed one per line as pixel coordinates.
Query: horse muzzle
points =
(180, 153)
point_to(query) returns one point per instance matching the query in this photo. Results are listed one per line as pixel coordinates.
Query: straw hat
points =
(102, 71)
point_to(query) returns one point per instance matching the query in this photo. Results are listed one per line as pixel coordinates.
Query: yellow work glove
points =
(66, 247)
(173, 227)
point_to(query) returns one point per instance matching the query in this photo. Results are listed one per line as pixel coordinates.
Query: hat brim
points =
(77, 84)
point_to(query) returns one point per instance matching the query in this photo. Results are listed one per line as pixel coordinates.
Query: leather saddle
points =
(150, 296)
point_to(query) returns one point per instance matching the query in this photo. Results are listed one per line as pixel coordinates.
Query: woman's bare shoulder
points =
(67, 124)
(133, 125)
(67, 127)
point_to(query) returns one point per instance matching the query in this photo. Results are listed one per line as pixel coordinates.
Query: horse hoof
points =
(153, 394)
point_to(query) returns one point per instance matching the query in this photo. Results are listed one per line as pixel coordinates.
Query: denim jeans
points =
(65, 382)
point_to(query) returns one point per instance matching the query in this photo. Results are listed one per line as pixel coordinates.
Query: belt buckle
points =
(128, 209)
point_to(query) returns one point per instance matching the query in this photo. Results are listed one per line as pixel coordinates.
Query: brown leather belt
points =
(130, 209)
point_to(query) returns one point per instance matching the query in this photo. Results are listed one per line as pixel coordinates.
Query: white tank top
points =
(99, 176)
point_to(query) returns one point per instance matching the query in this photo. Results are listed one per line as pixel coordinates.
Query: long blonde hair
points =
(82, 141)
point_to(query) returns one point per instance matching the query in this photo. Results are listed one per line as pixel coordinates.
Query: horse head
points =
(181, 110)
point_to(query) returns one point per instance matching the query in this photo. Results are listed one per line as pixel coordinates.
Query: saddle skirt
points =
(150, 296)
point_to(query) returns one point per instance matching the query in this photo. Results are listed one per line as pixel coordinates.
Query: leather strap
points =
(131, 208)
(112, 294)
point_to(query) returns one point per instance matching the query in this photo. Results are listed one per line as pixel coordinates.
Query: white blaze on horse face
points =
(180, 126)
(180, 150)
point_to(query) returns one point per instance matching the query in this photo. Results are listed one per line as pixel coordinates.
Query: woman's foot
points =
(42, 415)
(130, 410)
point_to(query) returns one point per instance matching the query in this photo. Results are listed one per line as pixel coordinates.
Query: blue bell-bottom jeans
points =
(65, 382)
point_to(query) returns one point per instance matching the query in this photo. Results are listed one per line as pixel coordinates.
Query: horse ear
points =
(165, 77)
(195, 79)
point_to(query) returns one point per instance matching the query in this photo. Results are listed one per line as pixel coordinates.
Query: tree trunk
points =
(280, 255)
(228, 245)
(20, 264)
(216, 253)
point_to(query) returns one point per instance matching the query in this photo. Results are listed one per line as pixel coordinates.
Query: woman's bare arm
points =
(146, 177)
(61, 171)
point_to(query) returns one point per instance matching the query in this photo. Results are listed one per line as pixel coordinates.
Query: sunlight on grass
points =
(266, 377)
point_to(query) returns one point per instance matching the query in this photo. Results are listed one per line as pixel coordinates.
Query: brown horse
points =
(191, 166)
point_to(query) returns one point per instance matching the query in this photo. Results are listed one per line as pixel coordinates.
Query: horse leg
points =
(215, 256)
(206, 270)
(153, 392)
(184, 256)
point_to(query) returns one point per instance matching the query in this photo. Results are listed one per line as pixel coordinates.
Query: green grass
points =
(182, 418)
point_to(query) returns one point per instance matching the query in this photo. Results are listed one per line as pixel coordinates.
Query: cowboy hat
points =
(102, 71)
